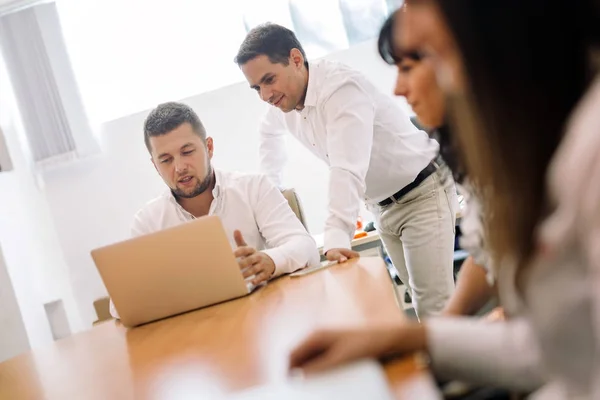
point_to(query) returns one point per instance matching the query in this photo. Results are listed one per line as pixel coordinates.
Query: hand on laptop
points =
(252, 262)
(341, 255)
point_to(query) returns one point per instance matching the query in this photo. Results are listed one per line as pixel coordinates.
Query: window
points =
(129, 55)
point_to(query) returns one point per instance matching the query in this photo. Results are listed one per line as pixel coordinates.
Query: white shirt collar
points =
(314, 75)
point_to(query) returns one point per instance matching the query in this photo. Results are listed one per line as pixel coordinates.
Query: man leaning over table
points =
(374, 154)
(268, 238)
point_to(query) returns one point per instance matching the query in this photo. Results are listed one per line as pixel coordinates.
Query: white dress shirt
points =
(369, 143)
(248, 203)
(245, 202)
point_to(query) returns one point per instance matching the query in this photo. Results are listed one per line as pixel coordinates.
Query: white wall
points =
(34, 272)
(5, 161)
(93, 200)
(32, 254)
(13, 336)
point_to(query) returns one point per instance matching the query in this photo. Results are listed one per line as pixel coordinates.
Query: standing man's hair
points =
(169, 116)
(271, 40)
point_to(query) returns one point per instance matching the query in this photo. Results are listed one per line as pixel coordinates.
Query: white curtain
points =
(35, 88)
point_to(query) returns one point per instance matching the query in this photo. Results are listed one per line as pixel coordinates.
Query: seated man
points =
(270, 239)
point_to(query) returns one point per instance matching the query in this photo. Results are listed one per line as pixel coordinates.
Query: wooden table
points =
(227, 347)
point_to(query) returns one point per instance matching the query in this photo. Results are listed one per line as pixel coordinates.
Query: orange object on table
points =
(359, 223)
(360, 234)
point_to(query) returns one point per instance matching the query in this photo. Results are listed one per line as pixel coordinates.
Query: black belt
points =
(424, 174)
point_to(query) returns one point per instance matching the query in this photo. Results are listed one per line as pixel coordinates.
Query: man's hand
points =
(341, 255)
(252, 262)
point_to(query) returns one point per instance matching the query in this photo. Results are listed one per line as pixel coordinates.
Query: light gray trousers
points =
(418, 234)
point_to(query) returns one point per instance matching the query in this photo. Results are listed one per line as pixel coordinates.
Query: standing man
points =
(374, 154)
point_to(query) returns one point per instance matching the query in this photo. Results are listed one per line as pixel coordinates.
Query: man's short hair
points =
(271, 40)
(169, 116)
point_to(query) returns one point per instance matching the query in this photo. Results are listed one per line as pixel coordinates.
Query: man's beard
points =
(198, 189)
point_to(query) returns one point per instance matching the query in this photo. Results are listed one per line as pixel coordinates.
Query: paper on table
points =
(360, 380)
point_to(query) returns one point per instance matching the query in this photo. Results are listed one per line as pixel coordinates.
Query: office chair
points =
(294, 201)
(102, 307)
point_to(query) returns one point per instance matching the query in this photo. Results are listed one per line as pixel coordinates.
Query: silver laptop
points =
(170, 272)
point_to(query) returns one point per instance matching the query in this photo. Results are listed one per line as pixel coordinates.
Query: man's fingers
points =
(239, 239)
(246, 262)
(333, 255)
(244, 251)
(253, 269)
(341, 255)
(350, 253)
(262, 276)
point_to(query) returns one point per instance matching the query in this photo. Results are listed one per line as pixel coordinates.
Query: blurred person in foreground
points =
(514, 87)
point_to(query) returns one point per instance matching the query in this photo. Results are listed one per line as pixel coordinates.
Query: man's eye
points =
(165, 161)
(269, 80)
(187, 153)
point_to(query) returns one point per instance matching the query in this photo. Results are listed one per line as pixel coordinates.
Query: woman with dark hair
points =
(416, 81)
(515, 70)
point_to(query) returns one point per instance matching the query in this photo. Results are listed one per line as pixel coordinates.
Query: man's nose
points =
(180, 167)
(266, 95)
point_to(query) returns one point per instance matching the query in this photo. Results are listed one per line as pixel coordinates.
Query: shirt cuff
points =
(335, 238)
(280, 260)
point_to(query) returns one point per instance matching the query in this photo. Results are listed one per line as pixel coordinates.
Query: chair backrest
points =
(294, 201)
(102, 307)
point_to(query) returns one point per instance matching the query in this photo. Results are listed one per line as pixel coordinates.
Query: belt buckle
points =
(392, 200)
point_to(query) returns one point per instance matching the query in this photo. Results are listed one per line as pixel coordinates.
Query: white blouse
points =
(563, 288)
(555, 341)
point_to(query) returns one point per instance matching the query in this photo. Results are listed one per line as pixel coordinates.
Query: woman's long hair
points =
(526, 63)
